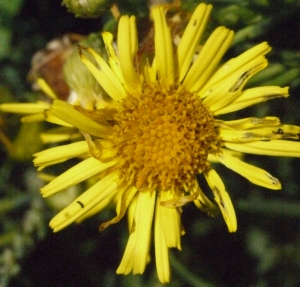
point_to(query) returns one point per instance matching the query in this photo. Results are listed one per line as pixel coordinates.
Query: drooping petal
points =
(137, 249)
(272, 148)
(252, 173)
(100, 149)
(163, 48)
(125, 199)
(67, 113)
(78, 173)
(90, 198)
(100, 206)
(178, 201)
(191, 37)
(222, 198)
(204, 204)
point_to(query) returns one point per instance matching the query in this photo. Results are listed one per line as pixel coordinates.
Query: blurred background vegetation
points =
(265, 251)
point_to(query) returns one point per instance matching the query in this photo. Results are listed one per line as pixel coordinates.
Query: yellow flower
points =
(161, 130)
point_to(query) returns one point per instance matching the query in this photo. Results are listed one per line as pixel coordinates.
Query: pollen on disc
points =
(162, 138)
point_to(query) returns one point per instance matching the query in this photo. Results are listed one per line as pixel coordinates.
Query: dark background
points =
(265, 250)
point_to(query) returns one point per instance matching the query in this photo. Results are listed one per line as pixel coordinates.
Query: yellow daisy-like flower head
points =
(160, 131)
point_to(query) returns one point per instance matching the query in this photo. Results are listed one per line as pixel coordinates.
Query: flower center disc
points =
(162, 139)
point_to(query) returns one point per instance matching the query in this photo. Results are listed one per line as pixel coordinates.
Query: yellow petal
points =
(130, 213)
(238, 63)
(46, 88)
(67, 113)
(26, 108)
(78, 173)
(161, 248)
(51, 118)
(252, 97)
(249, 123)
(90, 198)
(222, 198)
(273, 148)
(104, 75)
(137, 249)
(253, 174)
(210, 55)
(191, 37)
(224, 93)
(148, 69)
(163, 47)
(99, 207)
(113, 60)
(59, 154)
(214, 159)
(261, 133)
(125, 199)
(170, 221)
(33, 118)
(60, 134)
(127, 48)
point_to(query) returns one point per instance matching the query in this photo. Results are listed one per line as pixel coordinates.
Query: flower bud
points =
(78, 77)
(87, 8)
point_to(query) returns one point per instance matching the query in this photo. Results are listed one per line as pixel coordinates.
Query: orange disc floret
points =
(163, 138)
